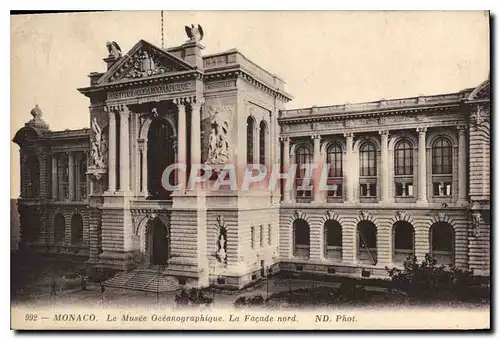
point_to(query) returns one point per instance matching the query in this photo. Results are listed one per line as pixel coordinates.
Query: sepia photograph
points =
(252, 170)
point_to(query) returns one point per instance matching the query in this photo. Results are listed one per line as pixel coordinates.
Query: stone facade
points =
(409, 175)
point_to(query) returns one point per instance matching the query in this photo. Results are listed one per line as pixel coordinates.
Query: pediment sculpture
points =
(145, 64)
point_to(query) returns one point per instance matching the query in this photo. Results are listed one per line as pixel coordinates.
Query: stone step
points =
(143, 280)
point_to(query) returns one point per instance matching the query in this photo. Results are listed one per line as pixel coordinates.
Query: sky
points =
(325, 58)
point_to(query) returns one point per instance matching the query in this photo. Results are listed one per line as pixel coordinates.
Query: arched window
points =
(250, 141)
(63, 176)
(160, 156)
(76, 229)
(303, 157)
(262, 143)
(301, 238)
(59, 229)
(368, 170)
(442, 167)
(31, 174)
(403, 240)
(81, 177)
(403, 168)
(333, 240)
(442, 240)
(367, 242)
(335, 173)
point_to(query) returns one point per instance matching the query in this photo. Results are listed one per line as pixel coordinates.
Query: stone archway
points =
(158, 245)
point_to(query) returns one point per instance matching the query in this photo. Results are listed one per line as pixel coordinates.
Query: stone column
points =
(144, 154)
(318, 195)
(71, 172)
(256, 144)
(54, 176)
(384, 174)
(422, 166)
(181, 143)
(195, 133)
(124, 150)
(140, 167)
(112, 151)
(286, 165)
(349, 178)
(462, 166)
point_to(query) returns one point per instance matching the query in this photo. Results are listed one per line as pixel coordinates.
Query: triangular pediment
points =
(142, 61)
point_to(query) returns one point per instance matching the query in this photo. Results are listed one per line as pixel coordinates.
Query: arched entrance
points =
(76, 229)
(333, 240)
(161, 154)
(59, 229)
(159, 242)
(403, 241)
(367, 242)
(442, 240)
(301, 238)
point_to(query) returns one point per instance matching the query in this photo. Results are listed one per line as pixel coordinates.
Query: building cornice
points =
(315, 117)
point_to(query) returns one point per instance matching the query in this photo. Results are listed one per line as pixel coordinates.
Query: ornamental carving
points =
(402, 215)
(363, 215)
(219, 145)
(145, 63)
(441, 215)
(480, 114)
(476, 222)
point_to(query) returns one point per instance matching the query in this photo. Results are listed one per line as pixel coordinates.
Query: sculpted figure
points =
(194, 33)
(218, 143)
(114, 49)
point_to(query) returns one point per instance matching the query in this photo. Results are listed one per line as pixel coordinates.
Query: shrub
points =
(240, 302)
(243, 301)
(427, 280)
(194, 297)
(256, 300)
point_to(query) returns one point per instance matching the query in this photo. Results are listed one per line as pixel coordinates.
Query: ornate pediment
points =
(144, 60)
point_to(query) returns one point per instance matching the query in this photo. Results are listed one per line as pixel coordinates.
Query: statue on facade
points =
(113, 49)
(218, 141)
(99, 146)
(194, 33)
(221, 253)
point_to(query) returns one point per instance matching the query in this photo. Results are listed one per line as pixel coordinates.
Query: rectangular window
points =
(404, 189)
(252, 237)
(336, 189)
(441, 188)
(269, 234)
(63, 177)
(261, 232)
(368, 190)
(301, 184)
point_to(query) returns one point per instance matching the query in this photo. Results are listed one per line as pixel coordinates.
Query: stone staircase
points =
(143, 279)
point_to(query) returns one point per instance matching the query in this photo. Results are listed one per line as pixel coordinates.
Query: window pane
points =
(442, 157)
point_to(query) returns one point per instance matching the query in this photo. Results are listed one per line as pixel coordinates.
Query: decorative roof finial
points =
(36, 112)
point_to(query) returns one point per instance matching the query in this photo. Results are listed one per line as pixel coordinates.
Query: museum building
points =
(405, 176)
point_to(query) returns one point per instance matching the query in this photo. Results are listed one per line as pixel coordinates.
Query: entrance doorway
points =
(160, 156)
(159, 243)
(262, 268)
